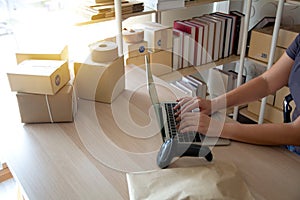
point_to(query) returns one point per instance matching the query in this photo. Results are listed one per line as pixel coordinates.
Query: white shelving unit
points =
(243, 52)
(157, 17)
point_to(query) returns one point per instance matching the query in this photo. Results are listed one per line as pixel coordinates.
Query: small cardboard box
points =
(135, 49)
(286, 35)
(43, 53)
(39, 76)
(271, 114)
(260, 44)
(39, 108)
(158, 36)
(101, 82)
(161, 62)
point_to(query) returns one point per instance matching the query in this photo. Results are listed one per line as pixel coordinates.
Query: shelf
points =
(250, 115)
(85, 21)
(175, 75)
(146, 11)
(294, 2)
(200, 2)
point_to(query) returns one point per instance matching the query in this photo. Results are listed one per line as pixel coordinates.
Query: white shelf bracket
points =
(243, 52)
(118, 17)
(272, 53)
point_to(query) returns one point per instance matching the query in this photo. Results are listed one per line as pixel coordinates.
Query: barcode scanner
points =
(171, 148)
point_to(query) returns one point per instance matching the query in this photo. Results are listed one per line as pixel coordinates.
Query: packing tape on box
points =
(104, 51)
(133, 35)
(49, 109)
(74, 104)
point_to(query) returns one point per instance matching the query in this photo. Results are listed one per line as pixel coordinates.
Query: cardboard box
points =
(43, 53)
(161, 62)
(260, 44)
(286, 35)
(279, 98)
(271, 99)
(39, 108)
(158, 36)
(135, 49)
(271, 114)
(101, 82)
(39, 76)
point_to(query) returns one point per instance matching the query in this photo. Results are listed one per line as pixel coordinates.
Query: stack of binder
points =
(207, 38)
(191, 86)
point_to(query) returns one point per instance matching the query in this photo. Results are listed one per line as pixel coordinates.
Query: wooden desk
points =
(88, 159)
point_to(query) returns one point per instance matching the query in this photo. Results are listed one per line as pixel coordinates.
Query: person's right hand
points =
(187, 104)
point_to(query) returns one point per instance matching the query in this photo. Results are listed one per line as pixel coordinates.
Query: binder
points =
(233, 29)
(201, 86)
(198, 43)
(191, 89)
(228, 27)
(217, 36)
(177, 49)
(204, 40)
(239, 31)
(182, 49)
(181, 25)
(222, 33)
(211, 36)
(186, 49)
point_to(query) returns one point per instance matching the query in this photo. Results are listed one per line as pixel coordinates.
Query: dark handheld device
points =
(172, 148)
(287, 108)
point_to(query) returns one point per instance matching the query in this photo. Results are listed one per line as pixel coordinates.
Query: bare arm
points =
(267, 83)
(264, 134)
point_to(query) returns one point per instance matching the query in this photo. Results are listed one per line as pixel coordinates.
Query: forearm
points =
(263, 134)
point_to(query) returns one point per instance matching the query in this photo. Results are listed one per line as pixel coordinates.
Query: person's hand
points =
(199, 122)
(187, 104)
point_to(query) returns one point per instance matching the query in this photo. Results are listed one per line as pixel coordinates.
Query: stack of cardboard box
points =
(43, 87)
(159, 39)
(260, 44)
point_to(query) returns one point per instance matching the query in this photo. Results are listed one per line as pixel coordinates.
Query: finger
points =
(191, 105)
(181, 103)
(189, 129)
(184, 100)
